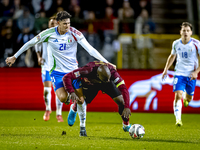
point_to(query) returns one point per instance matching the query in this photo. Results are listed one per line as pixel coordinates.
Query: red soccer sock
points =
(74, 107)
(125, 121)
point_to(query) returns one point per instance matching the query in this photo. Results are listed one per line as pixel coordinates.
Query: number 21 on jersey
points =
(62, 47)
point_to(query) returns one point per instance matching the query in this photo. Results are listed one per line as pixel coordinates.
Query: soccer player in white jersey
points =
(187, 50)
(41, 50)
(62, 48)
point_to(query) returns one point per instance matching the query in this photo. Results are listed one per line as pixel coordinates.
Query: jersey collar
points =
(56, 29)
(188, 42)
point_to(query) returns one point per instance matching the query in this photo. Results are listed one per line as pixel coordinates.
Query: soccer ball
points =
(136, 131)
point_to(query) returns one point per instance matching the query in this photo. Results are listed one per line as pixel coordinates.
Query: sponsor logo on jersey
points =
(55, 40)
(179, 48)
(77, 74)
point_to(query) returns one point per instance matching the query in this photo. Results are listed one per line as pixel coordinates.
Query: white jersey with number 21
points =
(62, 49)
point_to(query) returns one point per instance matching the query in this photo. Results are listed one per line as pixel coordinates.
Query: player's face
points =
(52, 23)
(64, 25)
(103, 78)
(186, 32)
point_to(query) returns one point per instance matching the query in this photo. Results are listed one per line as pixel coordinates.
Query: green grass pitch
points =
(26, 130)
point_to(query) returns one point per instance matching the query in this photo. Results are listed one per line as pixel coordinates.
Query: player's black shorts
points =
(90, 91)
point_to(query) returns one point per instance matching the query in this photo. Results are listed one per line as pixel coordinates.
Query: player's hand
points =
(74, 97)
(164, 74)
(40, 61)
(10, 60)
(126, 113)
(193, 75)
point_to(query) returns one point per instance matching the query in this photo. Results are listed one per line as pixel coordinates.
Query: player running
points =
(96, 76)
(187, 50)
(62, 48)
(41, 50)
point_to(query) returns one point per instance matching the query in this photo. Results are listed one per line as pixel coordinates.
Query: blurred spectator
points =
(5, 8)
(41, 23)
(145, 4)
(126, 11)
(110, 22)
(42, 5)
(126, 16)
(25, 24)
(17, 9)
(74, 9)
(144, 24)
(114, 5)
(57, 6)
(92, 37)
(6, 42)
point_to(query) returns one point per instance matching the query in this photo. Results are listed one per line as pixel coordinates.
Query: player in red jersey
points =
(96, 76)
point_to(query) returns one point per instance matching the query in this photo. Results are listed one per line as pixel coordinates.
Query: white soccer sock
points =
(59, 105)
(81, 109)
(177, 109)
(47, 97)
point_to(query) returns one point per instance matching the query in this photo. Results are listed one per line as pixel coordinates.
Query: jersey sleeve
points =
(37, 39)
(76, 74)
(198, 47)
(173, 48)
(79, 37)
(120, 84)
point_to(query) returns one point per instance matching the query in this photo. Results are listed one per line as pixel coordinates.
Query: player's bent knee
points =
(62, 97)
(178, 96)
(119, 100)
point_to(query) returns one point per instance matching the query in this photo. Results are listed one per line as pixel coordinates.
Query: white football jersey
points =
(187, 56)
(62, 49)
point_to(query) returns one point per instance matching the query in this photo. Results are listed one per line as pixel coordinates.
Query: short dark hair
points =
(62, 15)
(185, 24)
(52, 17)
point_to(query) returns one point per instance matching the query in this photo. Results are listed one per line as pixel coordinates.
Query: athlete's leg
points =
(111, 89)
(178, 107)
(59, 105)
(73, 108)
(189, 92)
(47, 94)
(90, 93)
(178, 88)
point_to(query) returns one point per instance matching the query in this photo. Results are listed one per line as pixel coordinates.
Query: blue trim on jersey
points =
(188, 42)
(56, 79)
(45, 76)
(183, 83)
(56, 29)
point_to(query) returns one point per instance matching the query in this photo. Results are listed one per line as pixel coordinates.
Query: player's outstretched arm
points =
(11, 60)
(169, 62)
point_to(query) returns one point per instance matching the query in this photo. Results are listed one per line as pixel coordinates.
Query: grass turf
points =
(26, 130)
